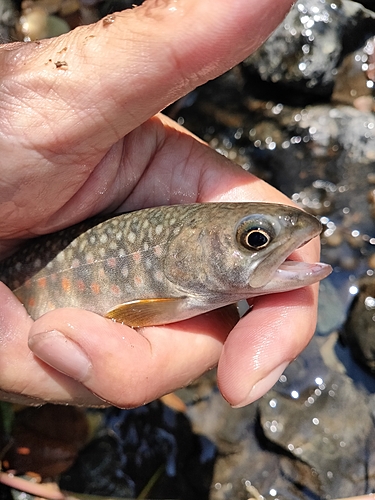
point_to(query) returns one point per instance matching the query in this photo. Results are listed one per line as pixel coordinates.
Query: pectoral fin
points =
(146, 312)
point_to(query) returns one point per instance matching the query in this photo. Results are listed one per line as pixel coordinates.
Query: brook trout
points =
(165, 264)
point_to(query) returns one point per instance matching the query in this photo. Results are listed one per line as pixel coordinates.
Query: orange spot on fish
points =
(112, 262)
(81, 285)
(137, 257)
(157, 251)
(115, 290)
(42, 282)
(31, 302)
(138, 280)
(95, 288)
(66, 284)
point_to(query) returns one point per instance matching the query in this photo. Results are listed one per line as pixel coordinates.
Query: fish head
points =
(242, 249)
(270, 237)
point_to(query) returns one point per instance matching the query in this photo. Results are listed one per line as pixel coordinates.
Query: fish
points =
(160, 265)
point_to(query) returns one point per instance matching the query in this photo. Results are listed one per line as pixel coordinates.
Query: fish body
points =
(165, 264)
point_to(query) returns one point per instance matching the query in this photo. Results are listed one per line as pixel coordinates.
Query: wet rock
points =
(46, 440)
(305, 50)
(151, 447)
(322, 428)
(354, 83)
(242, 465)
(8, 17)
(359, 329)
(98, 471)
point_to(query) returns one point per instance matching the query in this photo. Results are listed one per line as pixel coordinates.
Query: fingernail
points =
(61, 353)
(263, 385)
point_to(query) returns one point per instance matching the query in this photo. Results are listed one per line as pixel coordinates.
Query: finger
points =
(127, 367)
(166, 164)
(24, 378)
(117, 74)
(263, 343)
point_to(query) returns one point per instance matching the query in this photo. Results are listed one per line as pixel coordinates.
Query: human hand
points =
(81, 138)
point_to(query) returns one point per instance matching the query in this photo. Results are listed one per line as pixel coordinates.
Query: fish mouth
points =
(292, 271)
(292, 274)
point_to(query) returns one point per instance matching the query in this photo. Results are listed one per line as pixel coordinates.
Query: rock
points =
(46, 440)
(358, 331)
(305, 51)
(151, 447)
(322, 428)
(8, 17)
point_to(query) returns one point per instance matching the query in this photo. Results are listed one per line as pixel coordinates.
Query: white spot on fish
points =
(113, 245)
(148, 263)
(18, 266)
(50, 265)
(119, 236)
(172, 222)
(158, 276)
(90, 258)
(121, 252)
(159, 229)
(125, 271)
(102, 251)
(92, 239)
(60, 257)
(131, 237)
(145, 246)
(103, 238)
(82, 246)
(75, 263)
(145, 224)
(74, 243)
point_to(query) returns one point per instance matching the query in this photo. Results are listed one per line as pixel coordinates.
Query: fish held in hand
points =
(165, 264)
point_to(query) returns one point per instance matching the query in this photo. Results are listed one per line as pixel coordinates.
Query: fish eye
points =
(255, 239)
(255, 234)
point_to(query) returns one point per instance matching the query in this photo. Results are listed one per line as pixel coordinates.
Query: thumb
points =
(103, 80)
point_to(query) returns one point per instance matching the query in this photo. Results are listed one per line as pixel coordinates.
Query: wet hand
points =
(82, 138)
